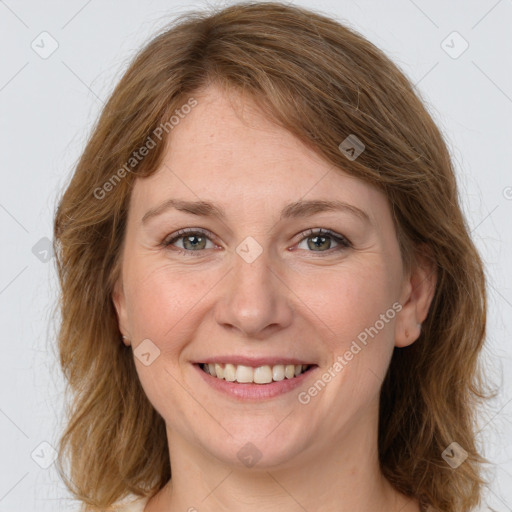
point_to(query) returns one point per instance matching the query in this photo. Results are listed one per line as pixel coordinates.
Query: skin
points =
(307, 302)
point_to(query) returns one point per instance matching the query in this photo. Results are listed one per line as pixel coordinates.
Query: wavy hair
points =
(322, 81)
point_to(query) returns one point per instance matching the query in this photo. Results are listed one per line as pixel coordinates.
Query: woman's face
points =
(254, 284)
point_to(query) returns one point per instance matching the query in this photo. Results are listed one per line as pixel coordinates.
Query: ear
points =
(119, 301)
(417, 294)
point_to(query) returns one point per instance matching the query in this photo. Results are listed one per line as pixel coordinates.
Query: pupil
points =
(316, 243)
(188, 240)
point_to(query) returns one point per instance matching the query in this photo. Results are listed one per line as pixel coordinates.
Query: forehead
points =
(226, 150)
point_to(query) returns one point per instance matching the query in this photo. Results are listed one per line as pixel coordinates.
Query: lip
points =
(255, 392)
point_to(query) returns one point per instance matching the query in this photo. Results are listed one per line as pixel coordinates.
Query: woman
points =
(269, 291)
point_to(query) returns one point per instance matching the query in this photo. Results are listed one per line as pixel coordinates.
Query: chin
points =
(264, 445)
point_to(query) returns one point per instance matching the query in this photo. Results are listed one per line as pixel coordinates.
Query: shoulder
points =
(131, 504)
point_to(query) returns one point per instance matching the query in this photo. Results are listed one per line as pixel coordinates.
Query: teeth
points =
(262, 375)
(247, 374)
(229, 373)
(278, 372)
(219, 371)
(244, 374)
(289, 371)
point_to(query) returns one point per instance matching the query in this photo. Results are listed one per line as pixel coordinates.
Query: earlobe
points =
(417, 295)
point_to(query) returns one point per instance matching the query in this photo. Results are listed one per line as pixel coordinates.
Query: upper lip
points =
(253, 361)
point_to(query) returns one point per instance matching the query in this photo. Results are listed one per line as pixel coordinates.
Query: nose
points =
(255, 300)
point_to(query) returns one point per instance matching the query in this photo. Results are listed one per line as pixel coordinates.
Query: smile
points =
(254, 375)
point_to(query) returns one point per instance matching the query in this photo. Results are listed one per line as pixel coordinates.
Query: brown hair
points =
(323, 82)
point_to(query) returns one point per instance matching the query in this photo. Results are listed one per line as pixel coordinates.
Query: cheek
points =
(355, 320)
(349, 301)
(161, 308)
(159, 300)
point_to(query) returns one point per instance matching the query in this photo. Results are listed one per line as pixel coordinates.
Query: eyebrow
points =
(296, 209)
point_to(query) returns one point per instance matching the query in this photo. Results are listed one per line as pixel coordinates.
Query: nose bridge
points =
(255, 298)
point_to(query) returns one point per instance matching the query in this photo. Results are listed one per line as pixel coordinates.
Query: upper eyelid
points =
(183, 232)
(323, 231)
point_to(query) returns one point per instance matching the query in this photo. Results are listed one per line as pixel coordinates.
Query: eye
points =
(197, 239)
(322, 239)
(192, 240)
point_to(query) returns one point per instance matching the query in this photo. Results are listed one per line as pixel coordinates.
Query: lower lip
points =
(251, 391)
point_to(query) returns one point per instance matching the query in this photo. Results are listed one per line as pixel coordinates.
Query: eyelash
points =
(343, 242)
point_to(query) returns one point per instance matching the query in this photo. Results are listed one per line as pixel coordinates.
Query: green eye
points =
(322, 239)
(193, 240)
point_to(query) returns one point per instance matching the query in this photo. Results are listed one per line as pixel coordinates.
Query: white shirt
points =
(131, 504)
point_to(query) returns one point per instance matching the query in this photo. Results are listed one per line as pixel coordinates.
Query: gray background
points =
(48, 106)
